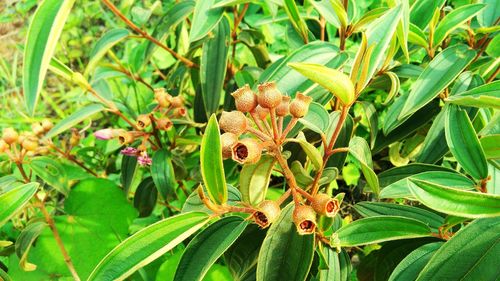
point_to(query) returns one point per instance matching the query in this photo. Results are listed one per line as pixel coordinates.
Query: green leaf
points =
(454, 20)
(340, 11)
(395, 174)
(145, 197)
(212, 169)
(412, 264)
(103, 45)
(254, 180)
(422, 10)
(297, 21)
(163, 173)
(205, 18)
(24, 242)
(464, 144)
(227, 3)
(147, 245)
(380, 229)
(401, 188)
(490, 146)
(456, 202)
(51, 172)
(372, 209)
(338, 266)
(128, 172)
(43, 34)
(471, 254)
(417, 36)
(372, 118)
(284, 254)
(61, 69)
(333, 80)
(14, 200)
(325, 8)
(487, 95)
(204, 250)
(358, 147)
(316, 119)
(74, 119)
(440, 72)
(311, 151)
(194, 204)
(488, 16)
(213, 66)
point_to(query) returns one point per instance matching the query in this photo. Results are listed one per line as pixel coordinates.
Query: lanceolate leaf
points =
(25, 241)
(412, 265)
(312, 152)
(163, 173)
(453, 20)
(464, 144)
(14, 200)
(460, 203)
(43, 35)
(204, 250)
(471, 254)
(379, 229)
(316, 119)
(487, 95)
(358, 147)
(338, 266)
(147, 245)
(422, 11)
(212, 169)
(205, 18)
(440, 72)
(74, 119)
(333, 80)
(103, 45)
(214, 66)
(254, 180)
(297, 21)
(284, 254)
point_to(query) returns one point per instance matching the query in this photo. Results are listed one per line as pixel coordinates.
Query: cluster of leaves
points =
(401, 131)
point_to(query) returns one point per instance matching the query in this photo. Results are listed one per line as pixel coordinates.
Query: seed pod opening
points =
(233, 122)
(162, 97)
(300, 105)
(304, 218)
(269, 95)
(125, 137)
(180, 112)
(325, 205)
(164, 124)
(143, 121)
(245, 99)
(227, 141)
(267, 213)
(246, 151)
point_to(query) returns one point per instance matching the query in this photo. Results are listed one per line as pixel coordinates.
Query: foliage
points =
(249, 140)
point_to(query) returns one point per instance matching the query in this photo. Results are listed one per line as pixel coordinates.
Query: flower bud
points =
(143, 121)
(227, 141)
(106, 134)
(245, 99)
(283, 108)
(47, 125)
(9, 135)
(176, 101)
(37, 128)
(3, 146)
(143, 159)
(125, 137)
(300, 105)
(325, 205)
(261, 112)
(164, 124)
(269, 95)
(304, 218)
(75, 137)
(162, 97)
(233, 122)
(246, 151)
(180, 112)
(29, 144)
(130, 151)
(267, 213)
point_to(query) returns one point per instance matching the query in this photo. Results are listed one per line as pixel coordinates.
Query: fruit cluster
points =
(19, 144)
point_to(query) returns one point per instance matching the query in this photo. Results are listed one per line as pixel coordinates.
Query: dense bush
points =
(250, 140)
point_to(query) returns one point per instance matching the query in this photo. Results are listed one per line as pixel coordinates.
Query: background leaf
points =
(14, 200)
(163, 173)
(254, 180)
(205, 18)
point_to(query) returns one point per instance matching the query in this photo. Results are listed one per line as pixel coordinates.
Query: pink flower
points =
(130, 151)
(105, 134)
(144, 159)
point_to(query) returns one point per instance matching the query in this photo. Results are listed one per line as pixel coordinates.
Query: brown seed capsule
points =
(269, 95)
(246, 151)
(143, 121)
(37, 128)
(125, 137)
(261, 112)
(162, 97)
(283, 108)
(300, 105)
(177, 101)
(304, 218)
(29, 144)
(47, 125)
(245, 99)
(3, 146)
(233, 122)
(164, 124)
(9, 135)
(227, 141)
(180, 112)
(267, 213)
(325, 205)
